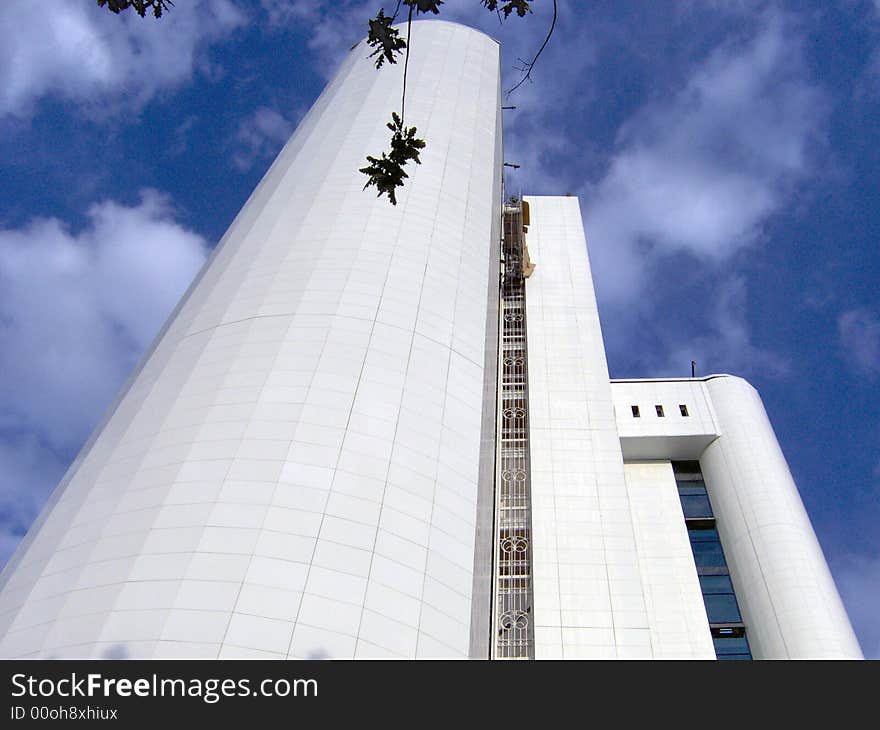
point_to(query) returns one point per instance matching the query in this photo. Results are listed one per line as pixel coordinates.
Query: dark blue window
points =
(722, 609)
(712, 584)
(708, 554)
(691, 488)
(725, 619)
(707, 548)
(694, 500)
(732, 647)
(696, 505)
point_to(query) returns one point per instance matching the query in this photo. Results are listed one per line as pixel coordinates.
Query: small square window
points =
(684, 410)
(635, 410)
(659, 410)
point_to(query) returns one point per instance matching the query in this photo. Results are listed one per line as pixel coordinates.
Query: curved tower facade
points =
(783, 584)
(293, 470)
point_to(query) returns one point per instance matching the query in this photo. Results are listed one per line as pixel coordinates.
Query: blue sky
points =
(726, 154)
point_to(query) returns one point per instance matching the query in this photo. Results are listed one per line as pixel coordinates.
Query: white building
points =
(304, 464)
(614, 569)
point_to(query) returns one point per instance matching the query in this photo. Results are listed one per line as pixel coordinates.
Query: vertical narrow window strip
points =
(725, 620)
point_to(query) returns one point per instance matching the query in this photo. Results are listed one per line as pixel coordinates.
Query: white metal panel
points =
(679, 628)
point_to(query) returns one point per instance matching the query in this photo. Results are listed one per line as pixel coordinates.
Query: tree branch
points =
(528, 66)
(140, 6)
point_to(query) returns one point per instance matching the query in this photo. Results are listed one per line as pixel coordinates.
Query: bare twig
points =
(527, 66)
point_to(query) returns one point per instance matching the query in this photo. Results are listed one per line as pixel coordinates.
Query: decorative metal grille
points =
(513, 620)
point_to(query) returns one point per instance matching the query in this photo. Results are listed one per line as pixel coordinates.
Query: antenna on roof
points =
(693, 368)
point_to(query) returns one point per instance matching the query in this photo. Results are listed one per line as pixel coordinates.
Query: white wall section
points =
(293, 471)
(589, 600)
(789, 603)
(679, 628)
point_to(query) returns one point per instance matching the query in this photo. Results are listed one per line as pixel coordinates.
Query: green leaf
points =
(405, 145)
(140, 6)
(386, 172)
(425, 6)
(520, 6)
(385, 39)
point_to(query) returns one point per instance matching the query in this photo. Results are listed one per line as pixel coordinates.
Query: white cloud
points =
(701, 172)
(334, 25)
(859, 334)
(84, 53)
(77, 309)
(871, 85)
(858, 580)
(259, 137)
(725, 344)
(287, 12)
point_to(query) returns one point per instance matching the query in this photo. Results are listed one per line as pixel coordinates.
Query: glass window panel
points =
(692, 488)
(696, 506)
(714, 584)
(722, 609)
(734, 657)
(732, 645)
(708, 554)
(707, 535)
